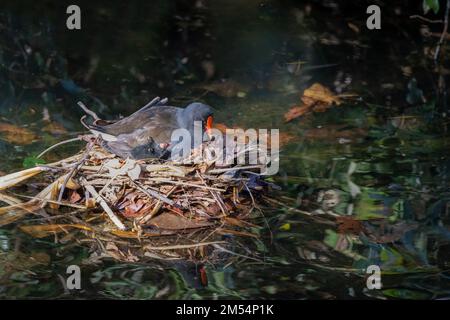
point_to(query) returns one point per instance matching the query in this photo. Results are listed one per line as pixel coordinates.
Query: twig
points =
(444, 32)
(62, 203)
(437, 35)
(154, 194)
(286, 206)
(234, 169)
(416, 16)
(103, 204)
(235, 253)
(75, 169)
(260, 211)
(89, 112)
(52, 217)
(213, 194)
(185, 184)
(214, 231)
(155, 210)
(186, 246)
(62, 162)
(84, 123)
(57, 145)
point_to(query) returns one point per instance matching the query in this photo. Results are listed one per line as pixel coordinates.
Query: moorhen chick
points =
(147, 132)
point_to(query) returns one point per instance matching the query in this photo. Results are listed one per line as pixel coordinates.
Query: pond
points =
(382, 154)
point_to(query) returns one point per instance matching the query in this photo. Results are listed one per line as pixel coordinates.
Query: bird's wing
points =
(156, 120)
(122, 150)
(136, 146)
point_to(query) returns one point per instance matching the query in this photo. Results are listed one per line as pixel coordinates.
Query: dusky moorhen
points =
(147, 132)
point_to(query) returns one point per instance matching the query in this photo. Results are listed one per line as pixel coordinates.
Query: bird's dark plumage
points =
(147, 132)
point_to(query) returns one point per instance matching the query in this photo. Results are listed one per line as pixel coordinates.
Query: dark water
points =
(384, 154)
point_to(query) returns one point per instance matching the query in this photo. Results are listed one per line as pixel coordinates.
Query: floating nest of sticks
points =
(139, 209)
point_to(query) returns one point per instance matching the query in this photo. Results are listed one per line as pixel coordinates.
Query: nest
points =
(131, 209)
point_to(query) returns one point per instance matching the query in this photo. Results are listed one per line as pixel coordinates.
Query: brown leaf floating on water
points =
(296, 112)
(16, 135)
(318, 92)
(316, 98)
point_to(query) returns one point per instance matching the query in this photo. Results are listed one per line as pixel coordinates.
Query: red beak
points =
(209, 125)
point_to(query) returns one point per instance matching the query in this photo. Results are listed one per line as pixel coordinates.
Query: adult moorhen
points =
(147, 132)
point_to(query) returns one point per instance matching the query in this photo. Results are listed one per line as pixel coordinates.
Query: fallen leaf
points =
(13, 179)
(316, 98)
(113, 251)
(90, 203)
(318, 92)
(131, 205)
(14, 212)
(320, 107)
(296, 112)
(170, 221)
(16, 135)
(348, 225)
(45, 230)
(137, 208)
(117, 168)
